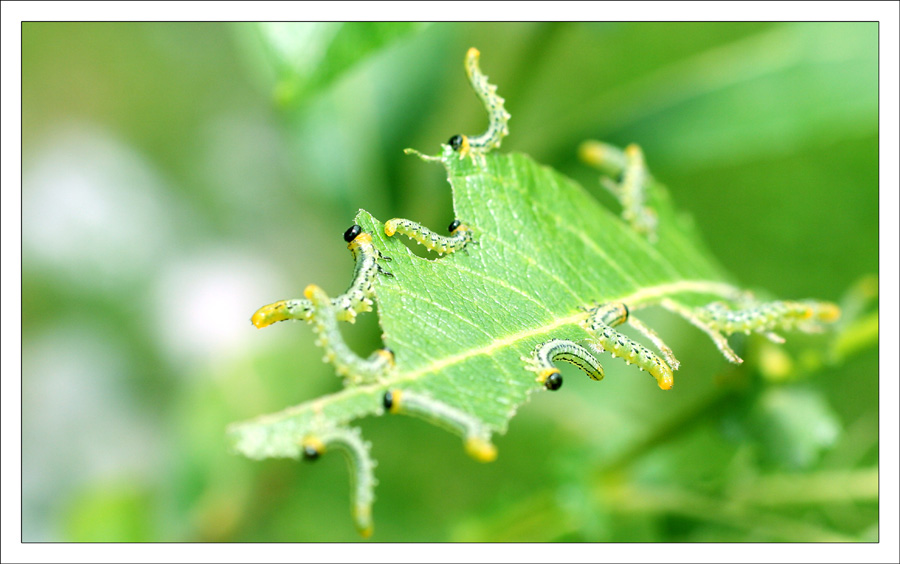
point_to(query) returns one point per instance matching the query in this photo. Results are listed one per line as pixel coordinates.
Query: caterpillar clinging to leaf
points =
(360, 463)
(627, 179)
(357, 299)
(544, 355)
(460, 235)
(476, 435)
(458, 322)
(601, 321)
(493, 103)
(764, 317)
(346, 362)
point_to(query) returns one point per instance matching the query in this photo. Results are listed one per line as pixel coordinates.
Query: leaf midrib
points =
(636, 300)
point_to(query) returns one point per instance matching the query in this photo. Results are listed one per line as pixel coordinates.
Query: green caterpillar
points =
(357, 299)
(545, 354)
(346, 362)
(362, 469)
(476, 435)
(497, 114)
(601, 321)
(460, 235)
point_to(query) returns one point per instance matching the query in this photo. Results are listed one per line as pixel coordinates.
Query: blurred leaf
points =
(775, 364)
(860, 335)
(794, 426)
(307, 57)
(858, 329)
(739, 101)
(107, 512)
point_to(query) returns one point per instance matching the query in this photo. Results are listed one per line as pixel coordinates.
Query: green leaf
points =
(738, 102)
(460, 325)
(794, 426)
(535, 268)
(110, 512)
(307, 57)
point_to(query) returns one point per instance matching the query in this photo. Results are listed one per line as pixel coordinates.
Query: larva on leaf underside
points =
(360, 464)
(476, 435)
(805, 316)
(600, 323)
(545, 354)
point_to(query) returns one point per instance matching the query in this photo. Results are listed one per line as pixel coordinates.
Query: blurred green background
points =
(178, 176)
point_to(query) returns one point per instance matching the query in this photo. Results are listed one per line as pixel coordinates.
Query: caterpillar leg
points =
(475, 433)
(361, 466)
(601, 322)
(477, 146)
(346, 362)
(460, 235)
(545, 354)
(358, 297)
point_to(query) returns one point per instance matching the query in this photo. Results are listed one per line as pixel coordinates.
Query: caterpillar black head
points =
(453, 225)
(554, 381)
(456, 142)
(310, 453)
(352, 233)
(388, 400)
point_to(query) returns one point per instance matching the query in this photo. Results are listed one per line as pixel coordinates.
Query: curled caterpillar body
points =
(631, 191)
(541, 362)
(497, 114)
(475, 433)
(460, 235)
(761, 318)
(601, 322)
(346, 362)
(361, 466)
(357, 299)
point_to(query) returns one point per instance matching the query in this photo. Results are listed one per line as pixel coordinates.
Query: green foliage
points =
(307, 57)
(459, 326)
(765, 134)
(456, 327)
(110, 513)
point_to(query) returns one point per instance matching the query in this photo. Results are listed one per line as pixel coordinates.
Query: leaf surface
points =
(460, 325)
